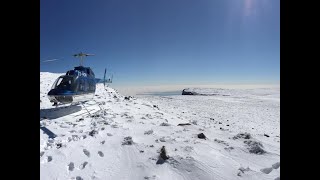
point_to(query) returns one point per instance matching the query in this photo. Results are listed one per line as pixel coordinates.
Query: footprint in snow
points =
(276, 165)
(100, 154)
(86, 152)
(71, 166)
(41, 153)
(83, 165)
(49, 158)
(266, 170)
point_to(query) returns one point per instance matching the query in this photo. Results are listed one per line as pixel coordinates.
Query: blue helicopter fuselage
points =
(75, 86)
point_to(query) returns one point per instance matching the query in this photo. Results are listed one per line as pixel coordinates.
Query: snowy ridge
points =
(123, 140)
(267, 92)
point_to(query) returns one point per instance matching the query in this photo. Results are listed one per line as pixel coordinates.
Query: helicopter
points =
(77, 85)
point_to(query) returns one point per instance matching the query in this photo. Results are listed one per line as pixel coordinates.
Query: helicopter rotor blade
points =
(49, 60)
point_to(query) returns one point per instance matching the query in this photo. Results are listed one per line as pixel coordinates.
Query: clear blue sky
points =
(165, 41)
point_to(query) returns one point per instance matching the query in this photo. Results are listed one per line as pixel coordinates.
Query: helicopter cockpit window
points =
(63, 83)
(71, 72)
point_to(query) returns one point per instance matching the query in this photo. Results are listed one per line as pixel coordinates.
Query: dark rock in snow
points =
(127, 141)
(59, 145)
(184, 124)
(95, 115)
(266, 135)
(79, 178)
(163, 153)
(255, 147)
(81, 119)
(163, 156)
(202, 136)
(184, 92)
(127, 97)
(242, 135)
(164, 124)
(93, 132)
(148, 132)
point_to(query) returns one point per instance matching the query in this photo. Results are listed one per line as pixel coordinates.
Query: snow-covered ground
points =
(123, 140)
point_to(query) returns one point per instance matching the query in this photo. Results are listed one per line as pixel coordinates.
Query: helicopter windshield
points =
(64, 82)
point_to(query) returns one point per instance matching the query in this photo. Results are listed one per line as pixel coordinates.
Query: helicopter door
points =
(81, 85)
(91, 86)
(86, 85)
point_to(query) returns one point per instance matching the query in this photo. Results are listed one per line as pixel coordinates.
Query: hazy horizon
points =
(140, 90)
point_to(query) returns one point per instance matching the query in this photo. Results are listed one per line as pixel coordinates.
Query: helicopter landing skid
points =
(89, 111)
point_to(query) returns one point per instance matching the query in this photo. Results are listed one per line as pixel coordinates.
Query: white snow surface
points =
(75, 145)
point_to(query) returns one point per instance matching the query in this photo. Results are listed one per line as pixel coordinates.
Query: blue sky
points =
(147, 42)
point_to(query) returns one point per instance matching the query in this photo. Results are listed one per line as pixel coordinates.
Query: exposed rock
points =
(127, 97)
(93, 132)
(81, 119)
(242, 135)
(202, 136)
(164, 124)
(184, 92)
(148, 132)
(184, 124)
(59, 145)
(255, 147)
(163, 156)
(127, 141)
